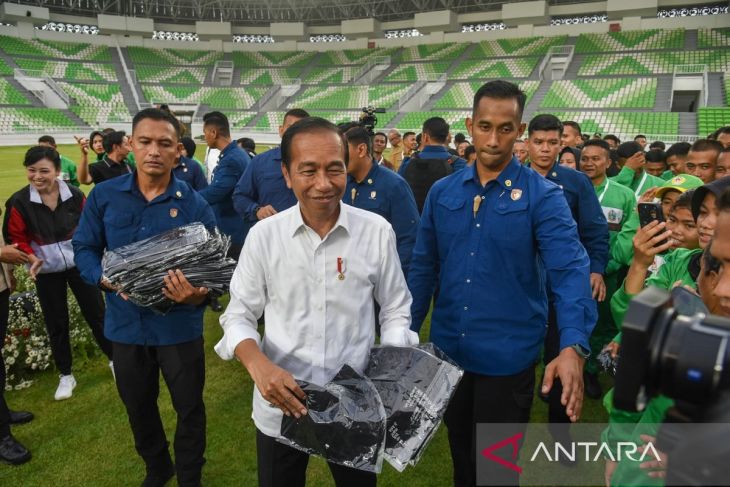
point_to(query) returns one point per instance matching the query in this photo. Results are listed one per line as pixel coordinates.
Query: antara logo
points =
(515, 442)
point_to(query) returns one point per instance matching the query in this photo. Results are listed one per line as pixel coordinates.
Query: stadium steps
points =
(690, 40)
(716, 90)
(687, 123)
(532, 106)
(76, 119)
(122, 79)
(8, 60)
(34, 100)
(255, 120)
(460, 59)
(575, 64)
(437, 96)
(396, 120)
(663, 93)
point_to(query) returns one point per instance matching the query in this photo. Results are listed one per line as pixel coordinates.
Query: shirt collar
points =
(296, 222)
(63, 191)
(175, 189)
(228, 148)
(506, 178)
(370, 176)
(111, 162)
(434, 149)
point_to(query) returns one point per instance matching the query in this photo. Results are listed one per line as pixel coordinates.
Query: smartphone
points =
(649, 212)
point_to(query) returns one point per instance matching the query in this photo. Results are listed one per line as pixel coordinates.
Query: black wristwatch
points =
(581, 351)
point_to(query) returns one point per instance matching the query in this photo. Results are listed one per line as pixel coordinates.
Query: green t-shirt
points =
(617, 202)
(638, 183)
(68, 171)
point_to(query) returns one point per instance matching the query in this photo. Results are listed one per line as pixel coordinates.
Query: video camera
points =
(368, 120)
(686, 358)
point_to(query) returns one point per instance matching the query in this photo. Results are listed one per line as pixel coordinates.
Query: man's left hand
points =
(178, 288)
(598, 287)
(568, 367)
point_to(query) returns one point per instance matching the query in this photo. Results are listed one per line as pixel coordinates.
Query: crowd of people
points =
(524, 241)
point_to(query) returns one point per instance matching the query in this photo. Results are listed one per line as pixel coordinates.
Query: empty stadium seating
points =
(221, 98)
(602, 93)
(48, 49)
(644, 40)
(33, 119)
(344, 97)
(528, 46)
(624, 122)
(416, 72)
(69, 70)
(9, 95)
(495, 68)
(325, 75)
(652, 62)
(273, 120)
(708, 38)
(175, 57)
(273, 58)
(170, 74)
(711, 118)
(97, 104)
(354, 56)
(414, 120)
(268, 76)
(461, 94)
(432, 52)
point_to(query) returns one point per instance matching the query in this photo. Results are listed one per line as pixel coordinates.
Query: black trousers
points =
(280, 465)
(486, 399)
(52, 294)
(137, 369)
(4, 411)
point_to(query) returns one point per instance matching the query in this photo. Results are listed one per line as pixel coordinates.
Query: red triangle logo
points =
(514, 441)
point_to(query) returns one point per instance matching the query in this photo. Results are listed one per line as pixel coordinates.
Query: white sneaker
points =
(111, 366)
(65, 387)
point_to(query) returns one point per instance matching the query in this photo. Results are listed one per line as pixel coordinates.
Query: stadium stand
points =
(708, 38)
(221, 98)
(529, 46)
(273, 120)
(175, 57)
(645, 40)
(9, 95)
(432, 52)
(354, 56)
(461, 94)
(495, 68)
(623, 122)
(170, 74)
(60, 50)
(274, 58)
(602, 93)
(652, 62)
(414, 120)
(269, 76)
(69, 70)
(97, 104)
(711, 118)
(416, 72)
(25, 119)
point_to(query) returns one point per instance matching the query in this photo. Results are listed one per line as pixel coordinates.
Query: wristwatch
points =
(581, 351)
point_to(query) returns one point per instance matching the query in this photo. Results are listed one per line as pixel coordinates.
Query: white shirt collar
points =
(35, 196)
(296, 222)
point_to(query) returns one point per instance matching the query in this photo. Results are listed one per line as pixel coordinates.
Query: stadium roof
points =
(257, 12)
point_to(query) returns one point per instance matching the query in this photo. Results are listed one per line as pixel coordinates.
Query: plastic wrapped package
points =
(138, 269)
(345, 422)
(415, 385)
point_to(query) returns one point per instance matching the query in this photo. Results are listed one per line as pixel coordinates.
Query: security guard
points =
(543, 146)
(191, 172)
(617, 202)
(495, 232)
(128, 209)
(373, 188)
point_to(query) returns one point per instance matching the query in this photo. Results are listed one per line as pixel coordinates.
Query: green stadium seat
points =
(97, 104)
(349, 97)
(432, 52)
(272, 121)
(171, 74)
(709, 38)
(710, 119)
(271, 76)
(527, 46)
(9, 95)
(601, 93)
(354, 56)
(414, 120)
(624, 124)
(246, 59)
(55, 49)
(496, 68)
(219, 98)
(15, 120)
(175, 57)
(638, 40)
(417, 72)
(74, 71)
(652, 62)
(461, 95)
(325, 75)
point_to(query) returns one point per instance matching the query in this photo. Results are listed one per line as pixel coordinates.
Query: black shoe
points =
(158, 479)
(591, 385)
(20, 417)
(13, 452)
(215, 305)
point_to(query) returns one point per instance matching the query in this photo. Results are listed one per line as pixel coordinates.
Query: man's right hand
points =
(278, 386)
(265, 212)
(11, 255)
(635, 162)
(83, 144)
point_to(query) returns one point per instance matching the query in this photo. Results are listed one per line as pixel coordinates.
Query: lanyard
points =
(641, 184)
(603, 193)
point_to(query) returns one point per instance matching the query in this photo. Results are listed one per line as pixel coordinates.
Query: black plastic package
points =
(415, 385)
(138, 269)
(345, 422)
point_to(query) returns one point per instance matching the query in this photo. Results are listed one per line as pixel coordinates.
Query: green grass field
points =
(86, 440)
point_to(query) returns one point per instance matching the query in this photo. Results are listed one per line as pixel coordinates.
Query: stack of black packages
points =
(138, 269)
(391, 411)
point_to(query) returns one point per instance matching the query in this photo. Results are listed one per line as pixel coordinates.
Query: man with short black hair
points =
(723, 164)
(612, 141)
(702, 159)
(656, 162)
(409, 144)
(486, 232)
(231, 166)
(113, 163)
(572, 135)
(262, 192)
(128, 209)
(433, 162)
(68, 167)
(641, 140)
(380, 142)
(337, 259)
(722, 135)
(249, 145)
(520, 150)
(657, 145)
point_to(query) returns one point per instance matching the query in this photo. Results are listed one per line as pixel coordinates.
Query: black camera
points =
(686, 358)
(368, 120)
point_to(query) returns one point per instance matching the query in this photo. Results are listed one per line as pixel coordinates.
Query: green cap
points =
(681, 183)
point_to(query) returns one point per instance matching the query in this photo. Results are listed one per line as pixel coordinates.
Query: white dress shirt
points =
(315, 321)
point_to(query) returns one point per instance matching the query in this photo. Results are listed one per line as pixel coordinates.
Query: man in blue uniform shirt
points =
(231, 166)
(191, 172)
(434, 134)
(374, 188)
(496, 232)
(118, 212)
(261, 192)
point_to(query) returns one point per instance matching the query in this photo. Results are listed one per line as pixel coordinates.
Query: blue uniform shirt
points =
(262, 184)
(491, 311)
(231, 166)
(587, 213)
(435, 152)
(191, 172)
(116, 214)
(387, 194)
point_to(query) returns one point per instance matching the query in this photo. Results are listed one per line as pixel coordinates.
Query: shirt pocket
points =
(120, 228)
(449, 215)
(511, 222)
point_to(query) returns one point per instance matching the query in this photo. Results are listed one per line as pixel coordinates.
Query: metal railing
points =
(415, 88)
(365, 74)
(556, 51)
(20, 74)
(131, 81)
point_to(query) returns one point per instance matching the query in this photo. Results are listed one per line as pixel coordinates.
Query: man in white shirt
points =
(314, 269)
